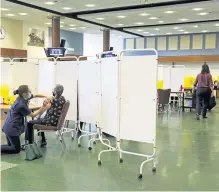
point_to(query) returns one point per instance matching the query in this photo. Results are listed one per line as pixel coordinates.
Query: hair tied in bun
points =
(16, 92)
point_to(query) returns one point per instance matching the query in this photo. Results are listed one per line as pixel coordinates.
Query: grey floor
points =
(187, 159)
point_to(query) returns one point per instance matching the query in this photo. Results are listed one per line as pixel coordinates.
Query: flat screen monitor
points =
(56, 52)
(104, 55)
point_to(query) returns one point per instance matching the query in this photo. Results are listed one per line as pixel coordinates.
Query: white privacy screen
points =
(167, 77)
(177, 77)
(6, 75)
(66, 74)
(138, 80)
(109, 84)
(46, 78)
(89, 91)
(25, 73)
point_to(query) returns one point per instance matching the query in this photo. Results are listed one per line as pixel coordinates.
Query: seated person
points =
(15, 122)
(56, 103)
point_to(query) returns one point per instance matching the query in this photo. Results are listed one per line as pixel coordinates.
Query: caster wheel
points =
(140, 176)
(99, 163)
(94, 143)
(60, 140)
(72, 138)
(121, 160)
(154, 169)
(89, 148)
(79, 145)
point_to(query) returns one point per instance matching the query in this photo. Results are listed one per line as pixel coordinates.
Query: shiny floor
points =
(187, 159)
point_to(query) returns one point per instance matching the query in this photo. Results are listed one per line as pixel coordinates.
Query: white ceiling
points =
(132, 17)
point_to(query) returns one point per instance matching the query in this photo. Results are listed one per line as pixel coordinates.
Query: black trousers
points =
(29, 133)
(13, 146)
(203, 96)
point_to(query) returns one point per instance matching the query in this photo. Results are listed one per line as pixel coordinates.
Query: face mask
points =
(29, 95)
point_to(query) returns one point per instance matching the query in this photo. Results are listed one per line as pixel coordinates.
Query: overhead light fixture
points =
(139, 30)
(61, 26)
(144, 14)
(22, 13)
(181, 30)
(72, 25)
(4, 9)
(120, 24)
(197, 9)
(90, 5)
(169, 12)
(217, 25)
(202, 14)
(48, 23)
(204, 31)
(99, 18)
(153, 18)
(195, 26)
(121, 36)
(139, 23)
(121, 16)
(184, 19)
(157, 29)
(169, 33)
(152, 34)
(61, 22)
(160, 21)
(49, 3)
(176, 28)
(83, 27)
(66, 8)
(72, 28)
(146, 32)
(10, 14)
(186, 32)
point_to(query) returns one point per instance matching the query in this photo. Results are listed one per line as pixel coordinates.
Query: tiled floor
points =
(187, 157)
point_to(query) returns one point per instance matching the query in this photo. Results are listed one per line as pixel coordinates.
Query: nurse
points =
(15, 122)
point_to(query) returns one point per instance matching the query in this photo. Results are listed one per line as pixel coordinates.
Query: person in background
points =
(204, 90)
(51, 118)
(15, 123)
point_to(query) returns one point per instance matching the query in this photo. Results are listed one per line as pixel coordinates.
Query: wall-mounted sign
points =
(2, 33)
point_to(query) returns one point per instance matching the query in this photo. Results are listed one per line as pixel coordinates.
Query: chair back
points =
(163, 96)
(63, 115)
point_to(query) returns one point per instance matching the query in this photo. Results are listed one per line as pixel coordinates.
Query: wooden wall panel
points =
(5, 52)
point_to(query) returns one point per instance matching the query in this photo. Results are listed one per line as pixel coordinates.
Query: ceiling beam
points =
(134, 7)
(70, 17)
(168, 24)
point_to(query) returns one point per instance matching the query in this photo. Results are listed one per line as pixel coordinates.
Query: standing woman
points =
(204, 86)
(15, 122)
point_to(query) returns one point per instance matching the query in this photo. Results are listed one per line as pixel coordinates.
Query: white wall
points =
(93, 44)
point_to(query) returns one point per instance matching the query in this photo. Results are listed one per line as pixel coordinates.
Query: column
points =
(55, 31)
(106, 40)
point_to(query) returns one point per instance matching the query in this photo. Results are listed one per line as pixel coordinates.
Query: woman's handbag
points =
(212, 103)
(32, 151)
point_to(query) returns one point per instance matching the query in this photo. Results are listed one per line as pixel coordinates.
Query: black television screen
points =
(56, 52)
(104, 55)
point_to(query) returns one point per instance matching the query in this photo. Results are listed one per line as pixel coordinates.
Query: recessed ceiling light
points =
(139, 23)
(120, 36)
(157, 29)
(204, 31)
(61, 26)
(176, 28)
(195, 26)
(99, 18)
(120, 24)
(22, 13)
(169, 12)
(72, 25)
(72, 28)
(217, 25)
(121, 16)
(152, 34)
(139, 30)
(197, 9)
(48, 23)
(66, 8)
(144, 14)
(61, 22)
(169, 33)
(10, 14)
(202, 14)
(83, 27)
(181, 30)
(183, 19)
(186, 32)
(146, 32)
(4, 9)
(49, 3)
(160, 21)
(153, 18)
(90, 5)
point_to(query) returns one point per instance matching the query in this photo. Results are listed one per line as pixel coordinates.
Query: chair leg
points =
(61, 139)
